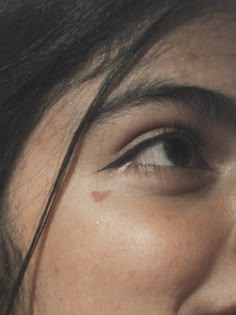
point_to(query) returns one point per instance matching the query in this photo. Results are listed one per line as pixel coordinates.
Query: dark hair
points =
(43, 46)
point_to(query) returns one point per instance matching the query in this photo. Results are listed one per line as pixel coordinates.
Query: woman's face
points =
(146, 222)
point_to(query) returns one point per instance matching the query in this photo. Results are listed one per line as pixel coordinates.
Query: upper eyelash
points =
(177, 130)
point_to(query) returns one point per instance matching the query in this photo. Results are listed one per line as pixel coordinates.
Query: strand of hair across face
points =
(110, 81)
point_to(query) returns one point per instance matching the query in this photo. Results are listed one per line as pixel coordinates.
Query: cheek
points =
(126, 250)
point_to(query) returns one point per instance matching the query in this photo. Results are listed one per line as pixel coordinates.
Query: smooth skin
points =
(129, 241)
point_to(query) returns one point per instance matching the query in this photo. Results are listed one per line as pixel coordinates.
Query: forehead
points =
(200, 52)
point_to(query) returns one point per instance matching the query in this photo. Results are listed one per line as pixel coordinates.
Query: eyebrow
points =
(208, 104)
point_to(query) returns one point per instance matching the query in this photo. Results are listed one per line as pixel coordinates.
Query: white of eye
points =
(155, 155)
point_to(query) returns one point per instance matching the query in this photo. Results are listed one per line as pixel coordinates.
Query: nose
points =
(220, 286)
(232, 240)
(230, 209)
(217, 292)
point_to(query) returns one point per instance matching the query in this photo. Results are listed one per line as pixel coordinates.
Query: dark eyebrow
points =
(210, 104)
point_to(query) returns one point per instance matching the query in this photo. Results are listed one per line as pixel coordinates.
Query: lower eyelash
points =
(164, 175)
(144, 169)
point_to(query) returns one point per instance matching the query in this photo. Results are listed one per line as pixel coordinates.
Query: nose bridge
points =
(226, 194)
(220, 285)
(232, 217)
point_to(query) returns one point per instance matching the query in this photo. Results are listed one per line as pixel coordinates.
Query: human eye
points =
(173, 159)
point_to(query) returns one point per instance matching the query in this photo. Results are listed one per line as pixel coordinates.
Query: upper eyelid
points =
(165, 133)
(185, 126)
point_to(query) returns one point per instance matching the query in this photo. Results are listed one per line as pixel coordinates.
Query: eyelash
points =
(177, 130)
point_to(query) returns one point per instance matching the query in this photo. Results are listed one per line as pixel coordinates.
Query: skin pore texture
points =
(126, 240)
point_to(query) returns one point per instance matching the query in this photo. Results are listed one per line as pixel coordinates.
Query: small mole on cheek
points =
(56, 269)
(132, 274)
(168, 217)
(99, 196)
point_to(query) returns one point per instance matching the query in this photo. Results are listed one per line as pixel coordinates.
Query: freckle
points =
(99, 196)
(56, 270)
(193, 57)
(132, 274)
(168, 217)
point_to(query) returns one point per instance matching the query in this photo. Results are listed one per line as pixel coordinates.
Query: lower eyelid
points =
(165, 180)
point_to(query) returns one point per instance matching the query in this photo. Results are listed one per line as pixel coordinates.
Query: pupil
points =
(178, 152)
